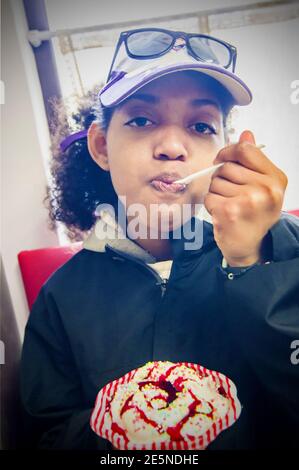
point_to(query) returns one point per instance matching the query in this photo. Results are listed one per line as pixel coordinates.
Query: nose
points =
(171, 144)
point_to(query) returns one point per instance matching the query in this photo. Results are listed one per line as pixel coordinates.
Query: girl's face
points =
(173, 125)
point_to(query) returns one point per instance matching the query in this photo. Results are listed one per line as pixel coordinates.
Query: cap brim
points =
(114, 93)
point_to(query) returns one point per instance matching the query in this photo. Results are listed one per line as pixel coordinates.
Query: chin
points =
(160, 218)
(168, 221)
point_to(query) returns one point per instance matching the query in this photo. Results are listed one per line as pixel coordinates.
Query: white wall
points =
(268, 61)
(24, 148)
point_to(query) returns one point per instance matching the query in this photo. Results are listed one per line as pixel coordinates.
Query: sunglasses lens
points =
(210, 50)
(147, 43)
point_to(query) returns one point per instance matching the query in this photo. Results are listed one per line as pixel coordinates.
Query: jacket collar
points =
(108, 233)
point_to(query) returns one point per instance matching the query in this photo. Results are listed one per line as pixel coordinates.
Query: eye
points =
(203, 128)
(139, 121)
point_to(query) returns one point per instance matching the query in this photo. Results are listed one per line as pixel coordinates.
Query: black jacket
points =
(103, 314)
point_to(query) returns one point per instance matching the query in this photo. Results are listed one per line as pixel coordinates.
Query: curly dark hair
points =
(78, 184)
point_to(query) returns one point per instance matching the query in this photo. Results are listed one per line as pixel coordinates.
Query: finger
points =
(224, 187)
(247, 155)
(237, 174)
(247, 136)
(212, 201)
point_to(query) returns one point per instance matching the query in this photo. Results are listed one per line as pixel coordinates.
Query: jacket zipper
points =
(162, 281)
(163, 286)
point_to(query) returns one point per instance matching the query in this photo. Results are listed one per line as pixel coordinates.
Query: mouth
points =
(164, 182)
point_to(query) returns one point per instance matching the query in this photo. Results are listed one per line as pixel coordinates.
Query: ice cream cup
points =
(165, 406)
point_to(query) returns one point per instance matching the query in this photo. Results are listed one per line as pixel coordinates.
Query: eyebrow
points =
(152, 99)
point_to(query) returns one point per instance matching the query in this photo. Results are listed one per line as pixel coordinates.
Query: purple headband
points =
(72, 138)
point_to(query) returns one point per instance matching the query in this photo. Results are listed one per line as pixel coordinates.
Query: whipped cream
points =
(167, 405)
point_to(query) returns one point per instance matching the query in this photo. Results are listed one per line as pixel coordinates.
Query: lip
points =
(165, 177)
(164, 182)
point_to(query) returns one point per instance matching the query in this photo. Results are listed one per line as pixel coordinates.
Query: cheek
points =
(121, 178)
(126, 170)
(129, 158)
(118, 165)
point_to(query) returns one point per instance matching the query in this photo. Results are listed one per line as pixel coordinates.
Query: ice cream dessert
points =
(165, 405)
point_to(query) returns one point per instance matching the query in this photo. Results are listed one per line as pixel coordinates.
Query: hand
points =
(244, 199)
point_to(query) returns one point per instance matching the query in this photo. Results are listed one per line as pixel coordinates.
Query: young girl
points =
(225, 297)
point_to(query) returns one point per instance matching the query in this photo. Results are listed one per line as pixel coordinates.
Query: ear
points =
(97, 146)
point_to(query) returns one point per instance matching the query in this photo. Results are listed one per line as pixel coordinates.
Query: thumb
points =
(247, 136)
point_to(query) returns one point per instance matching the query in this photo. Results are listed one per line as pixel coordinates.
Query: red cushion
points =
(294, 212)
(38, 265)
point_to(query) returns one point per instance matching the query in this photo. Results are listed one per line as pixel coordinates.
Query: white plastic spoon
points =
(206, 171)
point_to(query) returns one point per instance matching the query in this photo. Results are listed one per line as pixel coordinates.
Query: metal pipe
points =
(37, 36)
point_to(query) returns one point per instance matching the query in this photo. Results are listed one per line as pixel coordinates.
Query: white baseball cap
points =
(146, 54)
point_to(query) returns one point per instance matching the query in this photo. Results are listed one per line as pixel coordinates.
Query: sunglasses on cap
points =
(209, 55)
(150, 43)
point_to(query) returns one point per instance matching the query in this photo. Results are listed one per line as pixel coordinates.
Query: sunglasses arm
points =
(234, 60)
(119, 42)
